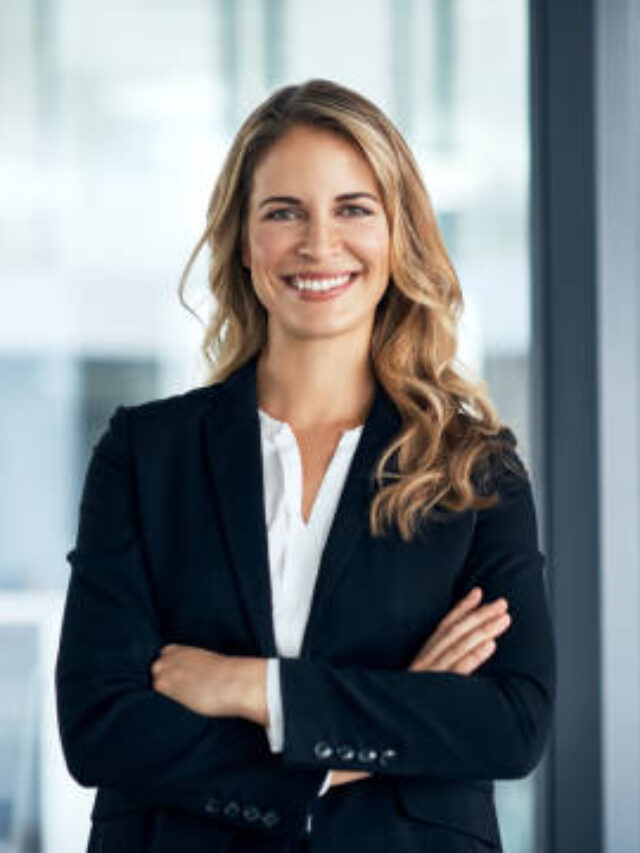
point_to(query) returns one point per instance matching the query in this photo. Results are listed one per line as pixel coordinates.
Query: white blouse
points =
(295, 548)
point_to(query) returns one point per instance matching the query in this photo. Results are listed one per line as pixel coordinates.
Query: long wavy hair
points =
(443, 455)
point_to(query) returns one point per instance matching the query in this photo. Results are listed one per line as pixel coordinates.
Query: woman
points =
(274, 635)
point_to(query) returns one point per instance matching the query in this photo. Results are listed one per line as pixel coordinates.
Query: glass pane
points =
(19, 737)
(116, 119)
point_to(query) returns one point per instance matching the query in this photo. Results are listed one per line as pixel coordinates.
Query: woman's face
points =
(316, 220)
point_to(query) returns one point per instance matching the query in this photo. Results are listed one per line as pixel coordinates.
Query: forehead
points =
(309, 159)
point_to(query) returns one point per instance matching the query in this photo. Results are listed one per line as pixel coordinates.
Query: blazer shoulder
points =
(182, 404)
(168, 414)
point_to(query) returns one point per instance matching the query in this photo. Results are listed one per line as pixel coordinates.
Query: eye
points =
(355, 210)
(282, 213)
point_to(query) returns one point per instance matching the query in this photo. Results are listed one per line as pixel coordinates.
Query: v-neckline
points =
(277, 428)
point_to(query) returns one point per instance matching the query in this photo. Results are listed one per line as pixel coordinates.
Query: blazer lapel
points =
(235, 458)
(351, 519)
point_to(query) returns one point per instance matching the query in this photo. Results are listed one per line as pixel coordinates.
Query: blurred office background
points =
(114, 121)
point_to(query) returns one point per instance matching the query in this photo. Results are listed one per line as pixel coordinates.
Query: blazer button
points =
(387, 756)
(270, 818)
(250, 813)
(212, 806)
(323, 750)
(232, 809)
(345, 752)
(367, 755)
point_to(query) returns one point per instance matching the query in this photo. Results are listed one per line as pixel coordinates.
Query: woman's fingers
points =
(467, 603)
(471, 661)
(453, 639)
(456, 622)
(449, 632)
(475, 639)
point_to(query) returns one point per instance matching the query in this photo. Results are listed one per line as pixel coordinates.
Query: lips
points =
(289, 279)
(316, 294)
(321, 274)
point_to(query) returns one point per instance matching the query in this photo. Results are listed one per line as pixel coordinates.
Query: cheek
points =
(268, 248)
(373, 245)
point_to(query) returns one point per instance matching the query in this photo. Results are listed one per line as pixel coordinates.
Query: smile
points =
(319, 283)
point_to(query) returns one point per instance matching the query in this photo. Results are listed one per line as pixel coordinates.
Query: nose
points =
(319, 238)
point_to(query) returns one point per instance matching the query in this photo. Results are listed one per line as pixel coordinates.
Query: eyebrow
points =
(289, 199)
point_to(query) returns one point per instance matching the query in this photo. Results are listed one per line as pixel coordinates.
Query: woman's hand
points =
(463, 641)
(209, 683)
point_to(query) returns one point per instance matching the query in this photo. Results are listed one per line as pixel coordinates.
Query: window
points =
(117, 116)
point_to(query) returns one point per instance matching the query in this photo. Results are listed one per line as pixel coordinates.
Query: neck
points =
(312, 390)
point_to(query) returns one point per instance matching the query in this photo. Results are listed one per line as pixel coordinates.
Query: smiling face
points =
(316, 237)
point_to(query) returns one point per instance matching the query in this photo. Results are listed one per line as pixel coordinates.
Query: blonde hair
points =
(450, 429)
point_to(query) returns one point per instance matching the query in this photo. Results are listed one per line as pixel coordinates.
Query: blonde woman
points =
(307, 607)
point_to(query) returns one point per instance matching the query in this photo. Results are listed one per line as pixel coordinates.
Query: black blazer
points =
(172, 547)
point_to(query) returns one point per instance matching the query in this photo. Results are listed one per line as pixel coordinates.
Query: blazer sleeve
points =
(116, 730)
(491, 724)
(274, 705)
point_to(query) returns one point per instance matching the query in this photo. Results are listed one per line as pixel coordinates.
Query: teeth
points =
(319, 283)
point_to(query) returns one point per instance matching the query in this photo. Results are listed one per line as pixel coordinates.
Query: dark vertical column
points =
(566, 404)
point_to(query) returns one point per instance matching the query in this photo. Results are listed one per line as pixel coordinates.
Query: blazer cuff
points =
(275, 728)
(325, 785)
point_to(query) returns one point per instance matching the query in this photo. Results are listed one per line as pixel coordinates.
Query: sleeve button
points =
(270, 818)
(212, 806)
(232, 809)
(387, 756)
(367, 755)
(323, 750)
(346, 752)
(251, 813)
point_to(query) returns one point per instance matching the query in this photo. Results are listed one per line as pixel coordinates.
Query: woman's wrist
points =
(251, 689)
(340, 777)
